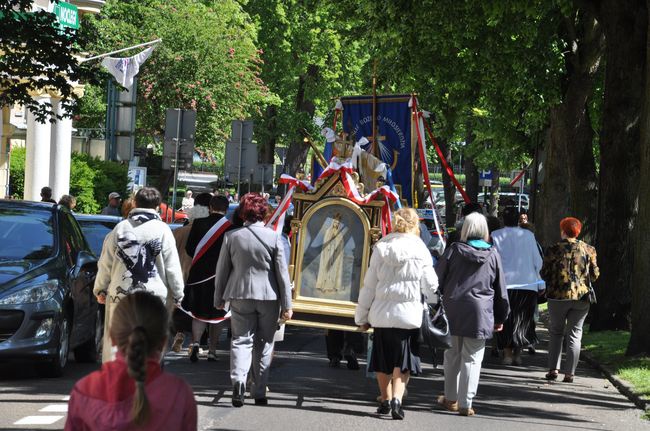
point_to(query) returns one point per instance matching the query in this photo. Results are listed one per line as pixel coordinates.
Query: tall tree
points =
(311, 55)
(625, 25)
(640, 334)
(208, 60)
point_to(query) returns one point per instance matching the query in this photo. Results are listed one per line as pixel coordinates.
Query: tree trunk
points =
(640, 335)
(298, 150)
(625, 25)
(554, 200)
(569, 186)
(495, 189)
(471, 172)
(450, 189)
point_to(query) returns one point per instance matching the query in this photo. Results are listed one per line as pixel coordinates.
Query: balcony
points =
(88, 6)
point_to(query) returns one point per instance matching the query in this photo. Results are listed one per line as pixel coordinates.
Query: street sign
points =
(179, 124)
(485, 175)
(485, 178)
(67, 14)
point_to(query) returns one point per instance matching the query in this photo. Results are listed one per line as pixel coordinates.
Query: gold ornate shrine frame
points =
(320, 312)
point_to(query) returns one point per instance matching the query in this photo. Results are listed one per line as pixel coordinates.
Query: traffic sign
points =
(67, 14)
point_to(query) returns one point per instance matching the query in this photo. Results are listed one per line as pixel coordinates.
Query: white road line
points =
(55, 408)
(66, 398)
(38, 420)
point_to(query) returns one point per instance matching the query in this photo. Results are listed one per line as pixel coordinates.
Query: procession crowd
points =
(490, 278)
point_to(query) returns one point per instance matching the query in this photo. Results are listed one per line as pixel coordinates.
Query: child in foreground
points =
(132, 392)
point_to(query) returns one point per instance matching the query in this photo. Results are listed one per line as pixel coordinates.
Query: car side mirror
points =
(85, 260)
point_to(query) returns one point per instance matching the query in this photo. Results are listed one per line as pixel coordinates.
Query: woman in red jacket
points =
(132, 392)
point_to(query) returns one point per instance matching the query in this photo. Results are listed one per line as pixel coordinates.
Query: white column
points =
(37, 157)
(60, 153)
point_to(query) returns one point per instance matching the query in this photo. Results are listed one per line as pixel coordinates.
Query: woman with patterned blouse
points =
(569, 269)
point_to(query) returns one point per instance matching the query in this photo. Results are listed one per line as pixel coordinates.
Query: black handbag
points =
(591, 295)
(435, 326)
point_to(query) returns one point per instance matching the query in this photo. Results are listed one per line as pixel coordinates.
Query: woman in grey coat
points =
(252, 276)
(476, 300)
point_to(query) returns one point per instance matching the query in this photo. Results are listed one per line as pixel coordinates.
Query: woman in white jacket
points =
(390, 301)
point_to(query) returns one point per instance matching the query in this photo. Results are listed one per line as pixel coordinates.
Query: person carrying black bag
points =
(569, 269)
(476, 302)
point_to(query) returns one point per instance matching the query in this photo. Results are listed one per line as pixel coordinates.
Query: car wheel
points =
(91, 350)
(55, 367)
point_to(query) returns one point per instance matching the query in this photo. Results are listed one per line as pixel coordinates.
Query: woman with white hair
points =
(476, 301)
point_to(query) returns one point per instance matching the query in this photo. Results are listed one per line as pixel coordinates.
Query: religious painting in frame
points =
(331, 246)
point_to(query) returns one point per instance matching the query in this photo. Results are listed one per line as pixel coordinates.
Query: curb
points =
(623, 387)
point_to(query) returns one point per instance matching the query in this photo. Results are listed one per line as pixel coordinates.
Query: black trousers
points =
(340, 343)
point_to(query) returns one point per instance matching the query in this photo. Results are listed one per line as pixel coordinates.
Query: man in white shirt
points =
(522, 262)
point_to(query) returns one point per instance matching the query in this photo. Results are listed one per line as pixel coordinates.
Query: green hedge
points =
(91, 180)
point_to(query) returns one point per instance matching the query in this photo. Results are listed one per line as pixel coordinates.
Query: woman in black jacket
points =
(476, 301)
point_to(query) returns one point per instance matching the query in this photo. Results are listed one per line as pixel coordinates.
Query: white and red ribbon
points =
(210, 238)
(345, 170)
(276, 222)
(213, 321)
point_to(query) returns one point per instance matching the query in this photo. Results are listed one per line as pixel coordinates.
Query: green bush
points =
(17, 173)
(109, 177)
(91, 179)
(82, 181)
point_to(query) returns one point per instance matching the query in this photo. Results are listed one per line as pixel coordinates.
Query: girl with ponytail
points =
(132, 392)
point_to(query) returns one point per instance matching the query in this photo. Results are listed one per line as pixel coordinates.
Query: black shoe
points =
(335, 362)
(396, 409)
(384, 408)
(261, 401)
(238, 394)
(353, 364)
(194, 354)
(531, 350)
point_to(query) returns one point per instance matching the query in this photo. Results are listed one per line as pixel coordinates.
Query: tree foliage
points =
(312, 54)
(207, 61)
(36, 57)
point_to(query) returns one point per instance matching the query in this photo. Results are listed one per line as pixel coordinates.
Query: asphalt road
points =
(305, 394)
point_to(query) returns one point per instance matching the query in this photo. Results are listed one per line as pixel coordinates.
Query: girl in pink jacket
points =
(132, 392)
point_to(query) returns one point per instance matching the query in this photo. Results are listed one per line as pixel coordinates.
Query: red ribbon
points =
(517, 178)
(384, 192)
(445, 165)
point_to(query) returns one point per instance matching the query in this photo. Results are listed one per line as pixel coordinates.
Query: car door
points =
(81, 277)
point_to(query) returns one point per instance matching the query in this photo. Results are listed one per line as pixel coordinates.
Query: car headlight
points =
(35, 293)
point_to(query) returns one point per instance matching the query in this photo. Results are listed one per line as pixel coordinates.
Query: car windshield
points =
(26, 234)
(95, 231)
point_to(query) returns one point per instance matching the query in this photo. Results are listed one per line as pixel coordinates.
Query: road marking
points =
(55, 408)
(38, 420)
(66, 398)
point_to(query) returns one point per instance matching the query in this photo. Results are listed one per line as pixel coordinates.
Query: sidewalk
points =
(307, 395)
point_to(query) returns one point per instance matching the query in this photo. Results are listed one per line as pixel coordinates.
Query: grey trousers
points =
(565, 317)
(463, 369)
(253, 324)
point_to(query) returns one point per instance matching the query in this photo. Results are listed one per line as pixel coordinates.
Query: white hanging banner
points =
(125, 69)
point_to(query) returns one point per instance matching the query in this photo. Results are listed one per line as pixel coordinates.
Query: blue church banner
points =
(394, 126)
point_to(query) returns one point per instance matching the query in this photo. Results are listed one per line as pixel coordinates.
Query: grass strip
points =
(608, 348)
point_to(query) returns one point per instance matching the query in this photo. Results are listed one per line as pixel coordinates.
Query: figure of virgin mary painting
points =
(332, 254)
(330, 271)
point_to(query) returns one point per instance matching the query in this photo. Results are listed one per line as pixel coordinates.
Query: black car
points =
(95, 228)
(47, 273)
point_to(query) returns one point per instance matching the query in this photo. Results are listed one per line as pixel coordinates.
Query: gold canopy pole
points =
(319, 155)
